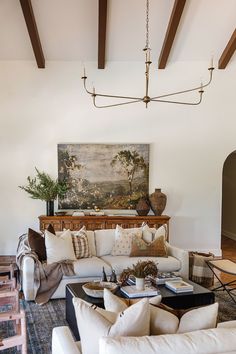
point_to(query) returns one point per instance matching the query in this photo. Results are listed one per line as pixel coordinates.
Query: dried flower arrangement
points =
(140, 270)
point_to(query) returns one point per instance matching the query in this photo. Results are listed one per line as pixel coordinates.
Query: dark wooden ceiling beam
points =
(171, 32)
(102, 24)
(228, 52)
(33, 32)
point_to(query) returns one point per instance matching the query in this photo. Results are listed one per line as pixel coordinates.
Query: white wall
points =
(40, 108)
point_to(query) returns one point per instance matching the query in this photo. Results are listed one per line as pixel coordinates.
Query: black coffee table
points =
(199, 297)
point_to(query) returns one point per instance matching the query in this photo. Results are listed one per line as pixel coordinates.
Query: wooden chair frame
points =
(20, 339)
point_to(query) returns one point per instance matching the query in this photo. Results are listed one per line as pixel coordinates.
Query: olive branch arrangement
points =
(44, 187)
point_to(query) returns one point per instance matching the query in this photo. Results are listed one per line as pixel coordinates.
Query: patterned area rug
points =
(40, 322)
(227, 308)
(42, 319)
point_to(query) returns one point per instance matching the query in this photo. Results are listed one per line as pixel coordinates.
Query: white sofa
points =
(88, 269)
(220, 340)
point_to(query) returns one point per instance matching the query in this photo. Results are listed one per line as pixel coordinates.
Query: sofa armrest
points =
(63, 342)
(27, 276)
(182, 256)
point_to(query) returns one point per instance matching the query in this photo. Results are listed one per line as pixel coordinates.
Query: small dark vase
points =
(104, 276)
(158, 201)
(50, 207)
(143, 207)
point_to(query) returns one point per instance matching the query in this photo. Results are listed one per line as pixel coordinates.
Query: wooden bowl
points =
(95, 289)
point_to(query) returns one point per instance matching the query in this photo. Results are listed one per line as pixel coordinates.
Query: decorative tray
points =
(95, 289)
(60, 213)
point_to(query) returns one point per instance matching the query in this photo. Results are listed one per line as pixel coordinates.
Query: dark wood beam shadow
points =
(171, 32)
(102, 24)
(33, 32)
(228, 52)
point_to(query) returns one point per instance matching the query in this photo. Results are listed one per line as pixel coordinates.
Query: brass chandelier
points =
(146, 98)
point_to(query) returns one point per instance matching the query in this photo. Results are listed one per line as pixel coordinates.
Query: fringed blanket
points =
(47, 277)
(199, 271)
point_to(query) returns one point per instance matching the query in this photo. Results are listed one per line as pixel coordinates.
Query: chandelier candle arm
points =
(179, 102)
(201, 87)
(94, 93)
(115, 104)
(147, 99)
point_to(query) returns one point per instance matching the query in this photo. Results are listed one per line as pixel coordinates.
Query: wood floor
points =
(228, 251)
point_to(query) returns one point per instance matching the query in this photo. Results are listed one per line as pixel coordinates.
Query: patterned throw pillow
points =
(80, 243)
(156, 248)
(123, 240)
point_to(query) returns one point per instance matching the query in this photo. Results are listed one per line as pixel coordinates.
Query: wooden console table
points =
(100, 222)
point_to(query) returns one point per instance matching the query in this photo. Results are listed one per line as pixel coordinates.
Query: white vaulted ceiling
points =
(68, 29)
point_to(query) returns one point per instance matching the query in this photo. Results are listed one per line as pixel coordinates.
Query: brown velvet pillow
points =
(51, 229)
(156, 248)
(37, 244)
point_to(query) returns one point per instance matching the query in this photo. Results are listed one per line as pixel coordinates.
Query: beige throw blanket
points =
(46, 276)
(199, 271)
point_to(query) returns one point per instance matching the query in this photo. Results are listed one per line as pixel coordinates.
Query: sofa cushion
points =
(164, 264)
(93, 325)
(59, 248)
(90, 267)
(123, 240)
(104, 240)
(210, 341)
(156, 248)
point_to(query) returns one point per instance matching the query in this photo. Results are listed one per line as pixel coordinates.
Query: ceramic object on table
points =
(158, 201)
(95, 289)
(143, 207)
(139, 283)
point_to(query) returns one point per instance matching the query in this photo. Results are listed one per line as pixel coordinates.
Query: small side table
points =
(225, 266)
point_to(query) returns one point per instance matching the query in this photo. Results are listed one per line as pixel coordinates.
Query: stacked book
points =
(179, 286)
(163, 277)
(131, 291)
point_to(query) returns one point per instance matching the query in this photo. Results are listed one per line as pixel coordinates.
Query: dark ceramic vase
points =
(143, 207)
(158, 201)
(50, 207)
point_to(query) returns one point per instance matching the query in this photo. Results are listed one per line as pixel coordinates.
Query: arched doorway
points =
(228, 239)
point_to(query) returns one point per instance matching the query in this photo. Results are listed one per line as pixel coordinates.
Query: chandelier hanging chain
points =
(146, 99)
(147, 25)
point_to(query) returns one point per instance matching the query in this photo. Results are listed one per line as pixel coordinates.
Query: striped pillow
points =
(80, 243)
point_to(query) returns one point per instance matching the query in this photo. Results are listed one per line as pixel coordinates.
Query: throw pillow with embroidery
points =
(123, 241)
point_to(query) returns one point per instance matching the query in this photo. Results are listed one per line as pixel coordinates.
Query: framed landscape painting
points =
(108, 176)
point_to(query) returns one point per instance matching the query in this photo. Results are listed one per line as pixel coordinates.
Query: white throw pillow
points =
(93, 325)
(123, 240)
(151, 234)
(59, 248)
(165, 322)
(116, 304)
